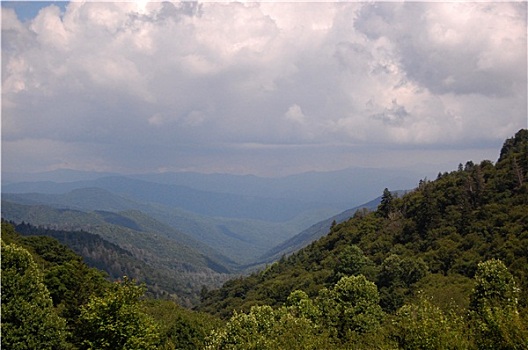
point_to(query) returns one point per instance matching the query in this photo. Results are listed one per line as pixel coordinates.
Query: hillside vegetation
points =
(431, 240)
(128, 243)
(52, 300)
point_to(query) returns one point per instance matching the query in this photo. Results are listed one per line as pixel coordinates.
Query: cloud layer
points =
(248, 87)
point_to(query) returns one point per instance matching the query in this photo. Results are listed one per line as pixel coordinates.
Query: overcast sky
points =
(260, 88)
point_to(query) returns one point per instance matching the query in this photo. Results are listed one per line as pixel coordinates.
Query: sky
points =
(264, 88)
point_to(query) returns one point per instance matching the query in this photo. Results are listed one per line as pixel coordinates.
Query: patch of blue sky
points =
(27, 10)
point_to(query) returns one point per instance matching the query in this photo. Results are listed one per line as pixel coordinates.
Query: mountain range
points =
(209, 225)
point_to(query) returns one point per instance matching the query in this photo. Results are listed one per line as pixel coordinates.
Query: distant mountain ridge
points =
(212, 204)
(242, 216)
(347, 187)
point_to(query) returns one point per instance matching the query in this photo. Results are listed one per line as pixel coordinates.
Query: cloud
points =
(462, 48)
(295, 114)
(184, 84)
(393, 115)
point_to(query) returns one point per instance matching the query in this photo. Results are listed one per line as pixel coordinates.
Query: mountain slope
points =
(312, 233)
(177, 268)
(94, 207)
(431, 239)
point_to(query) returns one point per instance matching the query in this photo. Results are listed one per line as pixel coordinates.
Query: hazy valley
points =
(185, 224)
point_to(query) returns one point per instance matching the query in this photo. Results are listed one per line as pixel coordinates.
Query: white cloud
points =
(295, 114)
(181, 79)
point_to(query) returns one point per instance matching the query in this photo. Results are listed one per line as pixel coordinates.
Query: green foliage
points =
(386, 206)
(348, 316)
(180, 328)
(70, 282)
(351, 306)
(337, 318)
(422, 325)
(300, 305)
(352, 261)
(265, 328)
(115, 321)
(9, 235)
(28, 318)
(49, 250)
(447, 291)
(494, 308)
(395, 278)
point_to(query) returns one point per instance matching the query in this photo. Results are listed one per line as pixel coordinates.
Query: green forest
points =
(444, 266)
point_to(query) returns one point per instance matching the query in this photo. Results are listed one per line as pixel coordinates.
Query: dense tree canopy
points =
(494, 307)
(115, 321)
(28, 318)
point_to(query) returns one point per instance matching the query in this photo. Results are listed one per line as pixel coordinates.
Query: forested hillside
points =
(161, 282)
(52, 300)
(128, 243)
(426, 244)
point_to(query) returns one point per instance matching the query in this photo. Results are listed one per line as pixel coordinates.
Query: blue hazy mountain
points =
(240, 239)
(243, 217)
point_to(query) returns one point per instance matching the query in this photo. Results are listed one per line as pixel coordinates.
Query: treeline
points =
(348, 316)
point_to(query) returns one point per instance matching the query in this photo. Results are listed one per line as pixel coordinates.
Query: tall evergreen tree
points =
(385, 207)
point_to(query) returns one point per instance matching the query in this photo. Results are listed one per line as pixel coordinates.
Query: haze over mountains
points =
(239, 216)
(193, 229)
(346, 187)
